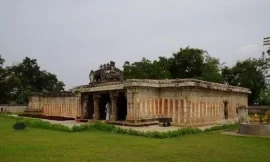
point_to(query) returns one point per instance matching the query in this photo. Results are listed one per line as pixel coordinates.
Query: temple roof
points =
(54, 94)
(166, 83)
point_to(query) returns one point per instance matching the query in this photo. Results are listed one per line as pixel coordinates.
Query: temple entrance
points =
(90, 107)
(225, 109)
(104, 99)
(122, 106)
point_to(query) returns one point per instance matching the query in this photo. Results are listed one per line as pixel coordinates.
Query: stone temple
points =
(188, 102)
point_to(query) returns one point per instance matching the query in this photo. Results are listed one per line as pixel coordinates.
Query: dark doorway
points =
(90, 107)
(122, 106)
(2, 110)
(225, 109)
(104, 99)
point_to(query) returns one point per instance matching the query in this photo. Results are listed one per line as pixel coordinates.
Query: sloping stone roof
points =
(54, 94)
(162, 84)
(184, 83)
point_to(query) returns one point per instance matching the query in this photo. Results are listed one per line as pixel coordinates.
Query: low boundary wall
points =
(12, 108)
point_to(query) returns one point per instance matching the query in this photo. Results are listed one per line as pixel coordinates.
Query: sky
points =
(72, 37)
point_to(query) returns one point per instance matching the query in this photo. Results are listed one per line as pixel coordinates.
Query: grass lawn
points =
(45, 145)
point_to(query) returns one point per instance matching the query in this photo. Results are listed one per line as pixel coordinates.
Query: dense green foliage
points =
(18, 80)
(265, 96)
(46, 145)
(251, 73)
(37, 123)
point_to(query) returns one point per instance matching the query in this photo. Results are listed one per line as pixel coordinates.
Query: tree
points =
(196, 63)
(161, 68)
(1, 61)
(137, 70)
(211, 70)
(264, 97)
(8, 82)
(251, 73)
(3, 82)
(32, 79)
(145, 69)
(187, 63)
(50, 82)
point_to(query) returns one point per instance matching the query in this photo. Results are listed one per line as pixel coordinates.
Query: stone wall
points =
(186, 106)
(61, 104)
(259, 109)
(12, 108)
(255, 129)
(188, 102)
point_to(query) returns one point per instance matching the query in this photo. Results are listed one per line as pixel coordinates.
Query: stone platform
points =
(236, 133)
(123, 123)
(256, 129)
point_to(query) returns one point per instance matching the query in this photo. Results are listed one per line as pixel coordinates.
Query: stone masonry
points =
(188, 102)
(65, 104)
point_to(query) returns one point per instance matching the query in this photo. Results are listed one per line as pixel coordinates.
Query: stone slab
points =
(255, 129)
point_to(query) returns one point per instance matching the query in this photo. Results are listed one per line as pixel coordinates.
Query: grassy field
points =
(45, 145)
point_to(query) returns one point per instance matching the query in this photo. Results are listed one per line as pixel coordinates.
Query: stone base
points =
(141, 120)
(167, 124)
(208, 123)
(255, 129)
(141, 124)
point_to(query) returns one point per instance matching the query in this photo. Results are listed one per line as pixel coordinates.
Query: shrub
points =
(80, 128)
(37, 123)
(222, 127)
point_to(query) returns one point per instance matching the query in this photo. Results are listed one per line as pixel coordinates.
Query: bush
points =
(37, 123)
(153, 134)
(222, 127)
(80, 128)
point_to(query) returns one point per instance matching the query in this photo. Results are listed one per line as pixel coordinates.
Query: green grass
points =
(48, 145)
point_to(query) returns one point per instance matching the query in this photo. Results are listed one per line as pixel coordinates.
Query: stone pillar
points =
(96, 98)
(242, 114)
(84, 106)
(126, 95)
(78, 105)
(130, 104)
(136, 106)
(114, 108)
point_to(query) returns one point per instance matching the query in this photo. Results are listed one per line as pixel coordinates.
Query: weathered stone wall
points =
(186, 106)
(12, 108)
(255, 129)
(34, 102)
(189, 102)
(205, 106)
(146, 99)
(131, 103)
(67, 106)
(259, 109)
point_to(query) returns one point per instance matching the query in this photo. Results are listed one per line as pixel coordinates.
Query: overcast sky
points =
(71, 37)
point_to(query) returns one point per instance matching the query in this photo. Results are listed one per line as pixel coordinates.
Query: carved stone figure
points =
(106, 73)
(108, 111)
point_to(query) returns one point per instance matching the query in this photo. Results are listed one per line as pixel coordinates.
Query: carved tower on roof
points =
(106, 73)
